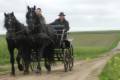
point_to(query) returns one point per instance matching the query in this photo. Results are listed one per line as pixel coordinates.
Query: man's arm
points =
(54, 23)
(67, 26)
(44, 20)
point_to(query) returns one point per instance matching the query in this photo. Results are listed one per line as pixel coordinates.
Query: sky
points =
(83, 15)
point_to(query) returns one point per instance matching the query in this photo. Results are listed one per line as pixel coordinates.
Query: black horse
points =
(17, 37)
(43, 38)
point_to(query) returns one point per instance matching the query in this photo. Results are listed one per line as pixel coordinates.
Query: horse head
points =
(9, 22)
(31, 17)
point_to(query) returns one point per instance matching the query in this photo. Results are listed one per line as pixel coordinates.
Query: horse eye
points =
(8, 17)
(12, 17)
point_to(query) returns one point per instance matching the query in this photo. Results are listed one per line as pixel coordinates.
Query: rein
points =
(17, 31)
(13, 34)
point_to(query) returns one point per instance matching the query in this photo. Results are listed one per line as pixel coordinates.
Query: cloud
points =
(81, 14)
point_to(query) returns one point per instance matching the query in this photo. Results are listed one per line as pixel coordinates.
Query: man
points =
(39, 14)
(40, 18)
(61, 21)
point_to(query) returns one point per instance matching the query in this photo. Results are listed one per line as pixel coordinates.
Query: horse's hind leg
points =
(26, 71)
(38, 68)
(18, 59)
(47, 65)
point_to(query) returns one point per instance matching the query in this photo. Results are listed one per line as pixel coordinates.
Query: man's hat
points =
(61, 14)
(39, 9)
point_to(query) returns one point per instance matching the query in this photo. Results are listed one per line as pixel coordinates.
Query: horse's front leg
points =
(39, 58)
(26, 59)
(12, 60)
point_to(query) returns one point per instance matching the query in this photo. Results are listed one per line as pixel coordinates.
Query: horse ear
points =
(12, 13)
(5, 14)
(34, 7)
(28, 7)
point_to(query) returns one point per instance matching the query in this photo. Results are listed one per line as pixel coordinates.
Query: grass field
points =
(4, 56)
(86, 44)
(93, 44)
(112, 69)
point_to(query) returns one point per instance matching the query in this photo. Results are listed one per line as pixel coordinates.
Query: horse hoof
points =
(12, 74)
(20, 67)
(38, 71)
(26, 73)
(48, 72)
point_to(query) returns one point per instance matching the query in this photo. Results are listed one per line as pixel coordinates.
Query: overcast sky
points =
(83, 15)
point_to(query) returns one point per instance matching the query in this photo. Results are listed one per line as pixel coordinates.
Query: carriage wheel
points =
(66, 60)
(71, 58)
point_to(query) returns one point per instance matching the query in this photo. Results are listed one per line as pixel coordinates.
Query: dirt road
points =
(83, 70)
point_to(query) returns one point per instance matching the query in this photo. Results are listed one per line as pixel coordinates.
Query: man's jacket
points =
(64, 22)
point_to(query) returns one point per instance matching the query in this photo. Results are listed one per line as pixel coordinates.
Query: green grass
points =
(112, 69)
(86, 44)
(93, 44)
(4, 55)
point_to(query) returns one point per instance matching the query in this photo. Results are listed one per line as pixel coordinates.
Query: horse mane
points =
(19, 25)
(16, 23)
(5, 24)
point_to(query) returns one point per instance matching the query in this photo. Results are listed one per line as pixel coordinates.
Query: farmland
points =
(112, 69)
(87, 45)
(93, 44)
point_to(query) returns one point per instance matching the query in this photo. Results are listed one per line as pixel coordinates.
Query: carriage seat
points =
(58, 28)
(70, 39)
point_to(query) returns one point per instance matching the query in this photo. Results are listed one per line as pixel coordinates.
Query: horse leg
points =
(47, 65)
(18, 58)
(49, 57)
(12, 60)
(26, 71)
(39, 57)
(38, 60)
(26, 60)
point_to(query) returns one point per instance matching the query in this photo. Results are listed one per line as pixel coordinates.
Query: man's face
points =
(61, 17)
(38, 12)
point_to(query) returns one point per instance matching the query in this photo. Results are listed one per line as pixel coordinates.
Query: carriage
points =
(63, 51)
(32, 40)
